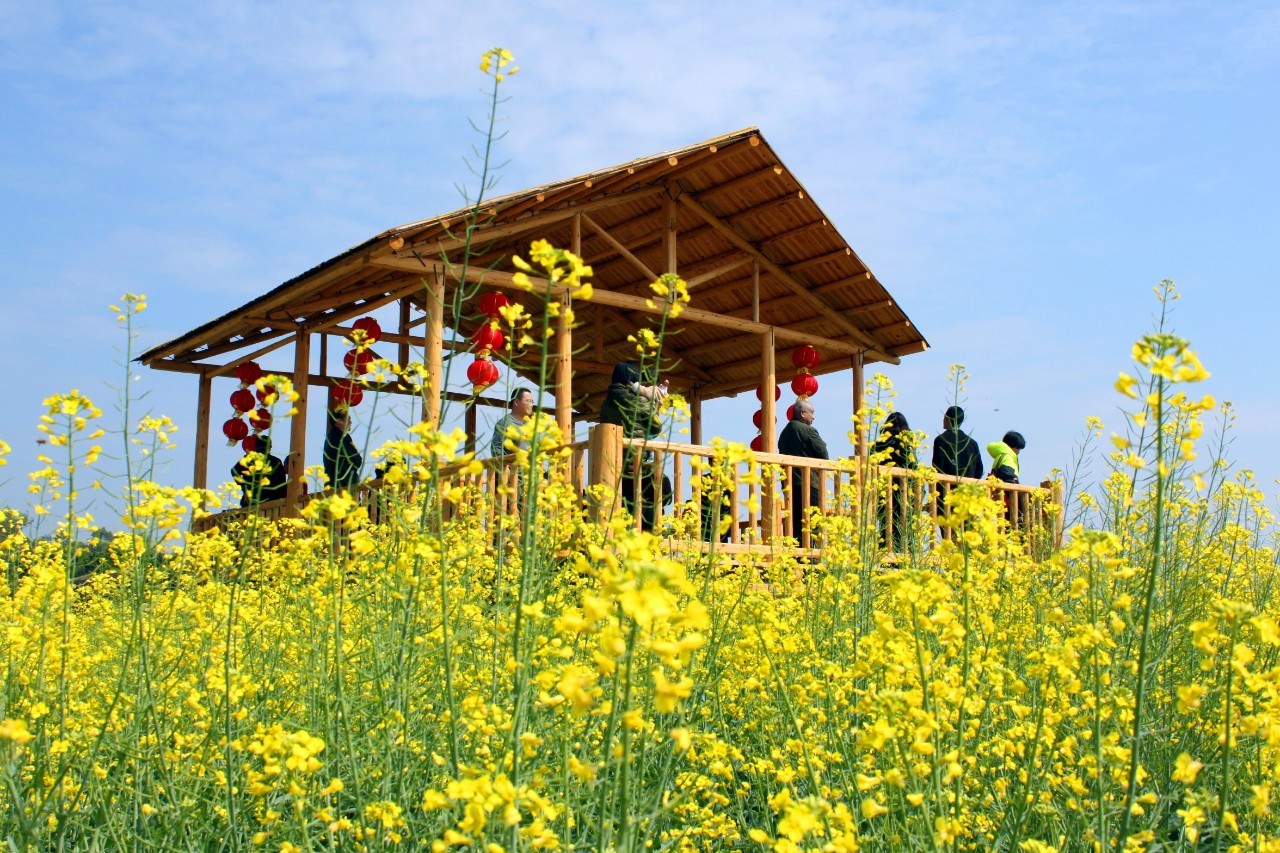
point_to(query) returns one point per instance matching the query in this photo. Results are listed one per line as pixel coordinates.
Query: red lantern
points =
(805, 385)
(758, 418)
(372, 331)
(250, 444)
(248, 372)
(242, 401)
(806, 357)
(482, 374)
(757, 443)
(777, 393)
(264, 392)
(791, 413)
(488, 338)
(235, 430)
(260, 419)
(358, 361)
(492, 303)
(346, 395)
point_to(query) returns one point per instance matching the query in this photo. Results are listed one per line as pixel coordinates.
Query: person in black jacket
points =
(633, 405)
(260, 480)
(894, 447)
(342, 461)
(800, 438)
(955, 452)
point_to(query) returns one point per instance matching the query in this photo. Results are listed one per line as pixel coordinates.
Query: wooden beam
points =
(264, 305)
(826, 257)
(695, 416)
(764, 174)
(297, 459)
(768, 431)
(787, 235)
(755, 290)
(204, 398)
(402, 346)
(256, 354)
(717, 271)
(732, 235)
(620, 249)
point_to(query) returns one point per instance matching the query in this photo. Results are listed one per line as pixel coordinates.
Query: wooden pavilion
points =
(766, 268)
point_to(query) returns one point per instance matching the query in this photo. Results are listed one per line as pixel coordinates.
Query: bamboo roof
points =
(734, 208)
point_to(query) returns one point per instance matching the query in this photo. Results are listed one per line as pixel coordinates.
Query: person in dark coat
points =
(894, 448)
(342, 461)
(260, 484)
(800, 438)
(955, 452)
(632, 404)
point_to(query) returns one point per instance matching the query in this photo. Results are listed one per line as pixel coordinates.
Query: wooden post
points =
(402, 351)
(860, 448)
(695, 416)
(769, 511)
(200, 477)
(298, 426)
(564, 349)
(605, 468)
(434, 349)
(469, 419)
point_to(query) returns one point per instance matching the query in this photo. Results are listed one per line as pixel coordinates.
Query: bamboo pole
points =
(200, 476)
(298, 426)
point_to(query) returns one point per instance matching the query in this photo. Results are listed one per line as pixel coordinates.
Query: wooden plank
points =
(766, 173)
(859, 383)
(402, 348)
(717, 271)
(669, 242)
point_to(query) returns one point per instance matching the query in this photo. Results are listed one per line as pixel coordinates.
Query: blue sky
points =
(1018, 175)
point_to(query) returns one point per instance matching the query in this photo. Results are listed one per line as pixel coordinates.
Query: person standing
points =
(955, 452)
(1004, 456)
(895, 448)
(800, 438)
(521, 409)
(342, 462)
(633, 405)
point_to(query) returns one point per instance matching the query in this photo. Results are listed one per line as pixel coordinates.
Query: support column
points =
(298, 426)
(605, 469)
(769, 508)
(200, 476)
(402, 351)
(755, 291)
(695, 416)
(855, 362)
(434, 347)
(469, 423)
(564, 349)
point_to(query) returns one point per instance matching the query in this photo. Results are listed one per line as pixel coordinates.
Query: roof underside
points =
(738, 214)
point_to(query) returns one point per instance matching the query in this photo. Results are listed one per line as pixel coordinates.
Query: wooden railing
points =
(695, 496)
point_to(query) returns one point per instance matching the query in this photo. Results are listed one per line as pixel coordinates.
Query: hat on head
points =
(1015, 440)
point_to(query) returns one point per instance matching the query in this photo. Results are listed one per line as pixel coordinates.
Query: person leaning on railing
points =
(260, 476)
(1004, 456)
(521, 409)
(633, 405)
